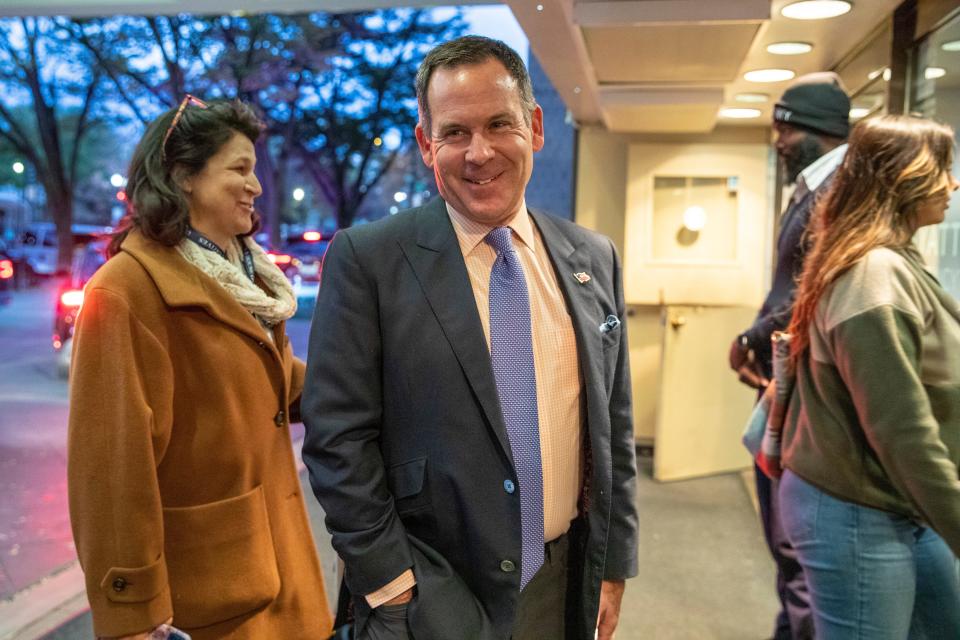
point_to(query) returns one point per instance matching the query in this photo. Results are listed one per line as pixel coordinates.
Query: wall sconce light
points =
(695, 218)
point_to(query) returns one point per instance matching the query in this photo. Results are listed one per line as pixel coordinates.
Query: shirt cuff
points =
(392, 589)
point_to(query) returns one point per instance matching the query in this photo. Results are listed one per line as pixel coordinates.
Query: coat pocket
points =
(220, 559)
(411, 495)
(406, 478)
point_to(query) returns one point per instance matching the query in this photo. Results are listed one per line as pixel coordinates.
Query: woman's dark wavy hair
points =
(156, 205)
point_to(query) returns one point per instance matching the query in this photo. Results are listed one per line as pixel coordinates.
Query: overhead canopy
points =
(656, 66)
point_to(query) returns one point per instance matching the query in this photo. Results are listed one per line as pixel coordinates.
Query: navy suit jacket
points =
(792, 247)
(406, 445)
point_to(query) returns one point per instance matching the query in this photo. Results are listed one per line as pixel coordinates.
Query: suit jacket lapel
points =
(437, 262)
(568, 260)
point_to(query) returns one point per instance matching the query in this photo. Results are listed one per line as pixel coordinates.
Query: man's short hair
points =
(474, 50)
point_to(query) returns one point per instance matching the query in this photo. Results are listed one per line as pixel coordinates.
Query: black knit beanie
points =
(816, 102)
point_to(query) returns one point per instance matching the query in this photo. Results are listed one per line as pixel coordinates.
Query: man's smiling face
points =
(480, 146)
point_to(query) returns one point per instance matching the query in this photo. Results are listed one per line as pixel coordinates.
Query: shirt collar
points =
(818, 170)
(470, 233)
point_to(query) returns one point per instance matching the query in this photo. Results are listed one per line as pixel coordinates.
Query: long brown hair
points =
(893, 164)
(156, 205)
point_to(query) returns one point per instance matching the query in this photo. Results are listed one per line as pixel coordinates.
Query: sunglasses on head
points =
(187, 100)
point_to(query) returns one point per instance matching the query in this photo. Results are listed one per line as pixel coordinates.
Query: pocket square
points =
(611, 323)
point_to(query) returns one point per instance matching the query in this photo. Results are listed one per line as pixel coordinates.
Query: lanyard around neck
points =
(203, 241)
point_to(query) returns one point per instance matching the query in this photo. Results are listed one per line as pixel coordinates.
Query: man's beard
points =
(801, 155)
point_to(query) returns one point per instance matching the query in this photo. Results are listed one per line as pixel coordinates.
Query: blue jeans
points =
(872, 575)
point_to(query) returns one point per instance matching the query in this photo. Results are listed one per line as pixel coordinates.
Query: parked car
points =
(300, 261)
(36, 246)
(86, 260)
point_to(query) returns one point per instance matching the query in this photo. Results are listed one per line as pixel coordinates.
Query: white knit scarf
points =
(269, 308)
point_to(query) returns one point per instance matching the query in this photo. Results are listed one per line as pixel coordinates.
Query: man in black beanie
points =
(811, 123)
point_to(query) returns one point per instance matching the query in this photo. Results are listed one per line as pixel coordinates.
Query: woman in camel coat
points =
(184, 496)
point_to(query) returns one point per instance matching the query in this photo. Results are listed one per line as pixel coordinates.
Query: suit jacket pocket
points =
(611, 338)
(408, 483)
(220, 559)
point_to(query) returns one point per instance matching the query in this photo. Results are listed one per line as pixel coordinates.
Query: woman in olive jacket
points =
(184, 496)
(870, 497)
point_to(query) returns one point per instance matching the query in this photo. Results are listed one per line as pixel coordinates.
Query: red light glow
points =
(279, 258)
(312, 236)
(72, 298)
(122, 196)
(6, 269)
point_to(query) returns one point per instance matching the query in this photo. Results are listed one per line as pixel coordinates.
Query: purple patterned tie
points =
(511, 351)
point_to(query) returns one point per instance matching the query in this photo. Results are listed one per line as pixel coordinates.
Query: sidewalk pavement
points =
(37, 557)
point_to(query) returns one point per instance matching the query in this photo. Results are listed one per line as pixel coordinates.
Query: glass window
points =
(935, 93)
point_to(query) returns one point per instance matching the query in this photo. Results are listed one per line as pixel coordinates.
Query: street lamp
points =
(18, 168)
(298, 194)
(117, 180)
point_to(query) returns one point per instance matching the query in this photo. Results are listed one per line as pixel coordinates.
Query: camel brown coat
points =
(184, 495)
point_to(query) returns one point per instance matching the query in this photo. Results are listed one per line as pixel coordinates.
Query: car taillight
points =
(6, 269)
(72, 298)
(279, 258)
(312, 236)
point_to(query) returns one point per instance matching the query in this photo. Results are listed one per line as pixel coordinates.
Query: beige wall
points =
(602, 183)
(601, 204)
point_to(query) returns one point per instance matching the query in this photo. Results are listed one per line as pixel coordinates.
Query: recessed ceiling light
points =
(577, 90)
(751, 97)
(768, 75)
(932, 73)
(738, 113)
(789, 48)
(882, 71)
(816, 9)
(858, 112)
(953, 45)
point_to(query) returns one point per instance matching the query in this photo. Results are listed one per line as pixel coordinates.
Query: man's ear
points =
(425, 144)
(536, 126)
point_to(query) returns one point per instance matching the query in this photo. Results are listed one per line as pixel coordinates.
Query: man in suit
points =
(811, 123)
(467, 401)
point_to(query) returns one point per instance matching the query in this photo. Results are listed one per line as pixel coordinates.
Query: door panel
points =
(698, 236)
(702, 405)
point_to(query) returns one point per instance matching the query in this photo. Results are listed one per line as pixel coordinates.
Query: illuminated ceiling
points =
(658, 66)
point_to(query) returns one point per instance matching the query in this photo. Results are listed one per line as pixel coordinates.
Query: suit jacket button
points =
(119, 585)
(278, 419)
(507, 566)
(508, 486)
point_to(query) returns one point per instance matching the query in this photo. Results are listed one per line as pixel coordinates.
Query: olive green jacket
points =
(875, 418)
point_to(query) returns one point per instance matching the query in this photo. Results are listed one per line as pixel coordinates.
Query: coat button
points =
(507, 566)
(119, 585)
(508, 486)
(279, 418)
